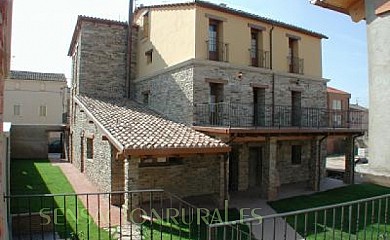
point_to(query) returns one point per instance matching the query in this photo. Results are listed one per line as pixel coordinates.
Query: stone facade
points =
(101, 60)
(98, 169)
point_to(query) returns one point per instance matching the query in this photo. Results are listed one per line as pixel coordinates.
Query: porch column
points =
(223, 180)
(131, 173)
(349, 160)
(271, 175)
(126, 185)
(315, 164)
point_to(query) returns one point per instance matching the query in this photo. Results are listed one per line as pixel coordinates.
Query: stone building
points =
(238, 113)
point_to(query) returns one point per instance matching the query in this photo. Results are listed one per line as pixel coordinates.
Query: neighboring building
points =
(361, 114)
(338, 104)
(262, 93)
(35, 98)
(5, 54)
(376, 14)
(36, 105)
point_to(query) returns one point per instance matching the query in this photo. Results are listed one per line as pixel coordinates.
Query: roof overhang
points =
(353, 8)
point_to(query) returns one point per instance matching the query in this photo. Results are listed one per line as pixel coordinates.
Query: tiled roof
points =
(136, 127)
(25, 75)
(334, 90)
(224, 8)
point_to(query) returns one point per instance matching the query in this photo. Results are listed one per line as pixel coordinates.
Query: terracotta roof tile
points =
(334, 90)
(136, 127)
(25, 75)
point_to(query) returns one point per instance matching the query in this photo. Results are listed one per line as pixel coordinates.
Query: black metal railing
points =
(295, 64)
(279, 116)
(259, 58)
(138, 214)
(361, 219)
(217, 51)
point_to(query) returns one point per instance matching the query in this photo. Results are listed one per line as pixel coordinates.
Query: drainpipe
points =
(273, 74)
(319, 161)
(129, 51)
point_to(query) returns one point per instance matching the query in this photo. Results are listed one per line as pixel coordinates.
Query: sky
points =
(42, 30)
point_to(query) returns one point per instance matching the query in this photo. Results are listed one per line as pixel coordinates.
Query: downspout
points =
(273, 74)
(319, 161)
(129, 51)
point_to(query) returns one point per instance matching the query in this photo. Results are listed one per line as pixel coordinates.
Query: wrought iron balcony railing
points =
(217, 51)
(259, 58)
(295, 64)
(255, 115)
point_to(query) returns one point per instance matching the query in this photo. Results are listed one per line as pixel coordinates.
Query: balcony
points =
(259, 58)
(265, 116)
(217, 51)
(295, 64)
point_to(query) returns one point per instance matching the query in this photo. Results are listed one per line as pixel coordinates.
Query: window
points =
(213, 42)
(149, 56)
(145, 97)
(89, 148)
(296, 154)
(160, 161)
(336, 104)
(294, 61)
(17, 110)
(146, 25)
(42, 111)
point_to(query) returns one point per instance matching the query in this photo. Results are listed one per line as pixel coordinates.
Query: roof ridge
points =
(239, 12)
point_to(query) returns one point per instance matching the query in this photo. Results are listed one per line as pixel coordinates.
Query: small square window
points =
(42, 111)
(145, 97)
(149, 56)
(296, 154)
(89, 148)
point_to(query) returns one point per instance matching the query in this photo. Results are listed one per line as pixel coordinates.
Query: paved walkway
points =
(277, 229)
(94, 202)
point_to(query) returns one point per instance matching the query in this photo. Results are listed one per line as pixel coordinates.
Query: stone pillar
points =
(131, 183)
(314, 164)
(378, 38)
(271, 180)
(243, 167)
(223, 180)
(349, 160)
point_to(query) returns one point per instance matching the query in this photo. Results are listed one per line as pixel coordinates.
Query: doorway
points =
(255, 167)
(82, 155)
(233, 169)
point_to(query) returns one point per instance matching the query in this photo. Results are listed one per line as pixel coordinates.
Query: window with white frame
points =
(337, 114)
(42, 111)
(336, 104)
(17, 110)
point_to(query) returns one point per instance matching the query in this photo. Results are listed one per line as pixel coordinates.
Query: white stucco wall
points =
(30, 95)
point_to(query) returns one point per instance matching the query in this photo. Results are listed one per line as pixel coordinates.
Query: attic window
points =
(149, 56)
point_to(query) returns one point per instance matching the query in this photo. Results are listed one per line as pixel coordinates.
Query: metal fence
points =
(157, 214)
(143, 214)
(279, 116)
(363, 219)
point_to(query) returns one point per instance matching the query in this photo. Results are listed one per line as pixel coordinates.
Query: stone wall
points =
(170, 93)
(288, 172)
(103, 56)
(98, 169)
(197, 175)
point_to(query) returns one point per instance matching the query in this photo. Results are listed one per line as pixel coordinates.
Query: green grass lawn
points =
(41, 177)
(335, 224)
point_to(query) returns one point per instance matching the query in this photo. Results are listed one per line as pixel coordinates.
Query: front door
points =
(233, 169)
(296, 110)
(255, 166)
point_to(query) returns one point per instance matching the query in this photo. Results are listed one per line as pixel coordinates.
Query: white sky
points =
(42, 30)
